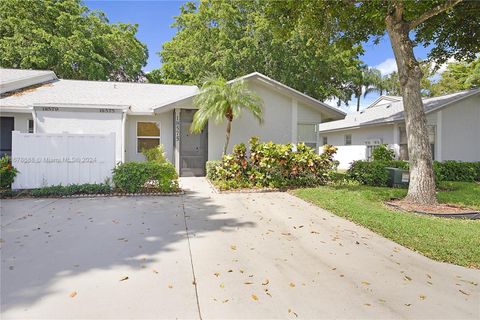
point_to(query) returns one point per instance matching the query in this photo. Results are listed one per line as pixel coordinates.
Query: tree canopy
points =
(229, 39)
(66, 37)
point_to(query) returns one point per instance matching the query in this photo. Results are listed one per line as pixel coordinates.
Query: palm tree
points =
(220, 100)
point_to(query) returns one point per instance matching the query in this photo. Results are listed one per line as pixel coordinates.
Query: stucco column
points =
(396, 140)
(177, 139)
(438, 137)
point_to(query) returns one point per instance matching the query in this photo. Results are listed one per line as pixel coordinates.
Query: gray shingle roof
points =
(392, 112)
(14, 79)
(141, 97)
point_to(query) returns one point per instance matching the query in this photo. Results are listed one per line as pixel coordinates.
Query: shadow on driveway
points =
(54, 248)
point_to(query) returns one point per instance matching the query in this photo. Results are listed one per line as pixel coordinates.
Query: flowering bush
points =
(7, 172)
(268, 164)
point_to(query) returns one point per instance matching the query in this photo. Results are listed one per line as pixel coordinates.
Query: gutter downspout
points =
(34, 115)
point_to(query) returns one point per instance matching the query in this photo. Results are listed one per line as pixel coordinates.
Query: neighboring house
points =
(146, 115)
(453, 126)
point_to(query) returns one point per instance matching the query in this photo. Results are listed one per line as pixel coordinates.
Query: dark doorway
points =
(6, 128)
(193, 147)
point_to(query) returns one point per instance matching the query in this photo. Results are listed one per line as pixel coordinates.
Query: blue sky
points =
(154, 19)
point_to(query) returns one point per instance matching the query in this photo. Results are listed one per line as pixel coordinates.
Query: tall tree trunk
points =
(229, 116)
(227, 136)
(422, 182)
(358, 102)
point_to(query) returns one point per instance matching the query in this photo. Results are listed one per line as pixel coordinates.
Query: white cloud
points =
(443, 67)
(388, 66)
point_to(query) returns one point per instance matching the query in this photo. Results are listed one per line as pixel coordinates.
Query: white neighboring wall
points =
(346, 154)
(459, 130)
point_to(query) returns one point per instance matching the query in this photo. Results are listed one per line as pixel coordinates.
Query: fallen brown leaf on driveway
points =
(248, 282)
(73, 294)
(264, 283)
(422, 297)
(366, 283)
(292, 284)
(254, 297)
(124, 278)
(216, 274)
(465, 293)
(233, 247)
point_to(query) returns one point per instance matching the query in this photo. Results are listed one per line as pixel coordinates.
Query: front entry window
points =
(148, 135)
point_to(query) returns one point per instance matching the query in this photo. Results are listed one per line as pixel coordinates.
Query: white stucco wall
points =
(357, 150)
(277, 126)
(20, 121)
(459, 130)
(166, 135)
(75, 121)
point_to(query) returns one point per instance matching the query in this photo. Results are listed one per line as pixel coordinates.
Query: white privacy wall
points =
(357, 150)
(53, 159)
(82, 122)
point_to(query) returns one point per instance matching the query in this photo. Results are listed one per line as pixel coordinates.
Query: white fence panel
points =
(45, 159)
(347, 154)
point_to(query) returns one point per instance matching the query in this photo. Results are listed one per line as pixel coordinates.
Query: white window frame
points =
(315, 130)
(345, 139)
(157, 123)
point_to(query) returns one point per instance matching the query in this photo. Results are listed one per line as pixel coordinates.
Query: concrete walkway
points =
(208, 255)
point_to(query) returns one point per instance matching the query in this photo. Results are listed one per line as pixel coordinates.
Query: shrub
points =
(383, 153)
(456, 171)
(137, 176)
(72, 189)
(156, 154)
(211, 169)
(371, 173)
(7, 172)
(272, 165)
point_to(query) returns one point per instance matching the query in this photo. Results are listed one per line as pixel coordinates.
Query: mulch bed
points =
(439, 210)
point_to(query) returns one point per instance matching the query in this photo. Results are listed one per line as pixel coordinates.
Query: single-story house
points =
(142, 115)
(453, 125)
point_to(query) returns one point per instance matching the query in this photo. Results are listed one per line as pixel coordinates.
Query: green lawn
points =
(451, 240)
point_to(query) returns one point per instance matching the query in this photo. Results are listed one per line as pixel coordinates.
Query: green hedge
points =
(72, 189)
(272, 165)
(373, 173)
(457, 171)
(138, 176)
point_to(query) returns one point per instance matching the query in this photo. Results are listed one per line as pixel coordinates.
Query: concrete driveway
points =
(209, 255)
